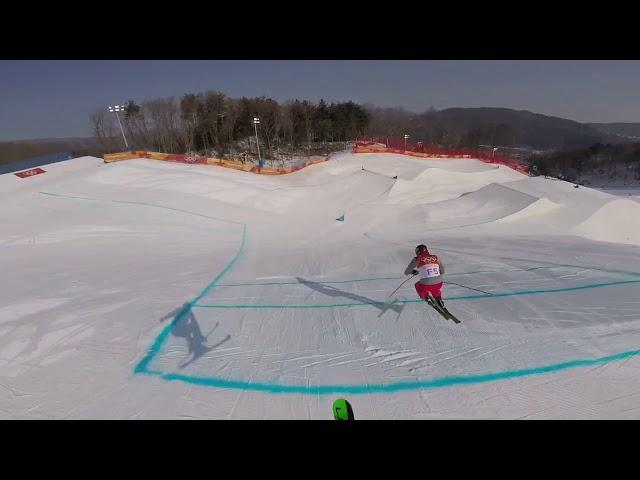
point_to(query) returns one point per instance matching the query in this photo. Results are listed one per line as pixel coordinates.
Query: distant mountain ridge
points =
(623, 129)
(528, 128)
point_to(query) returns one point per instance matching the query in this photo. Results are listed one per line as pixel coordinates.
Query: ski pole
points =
(401, 285)
(470, 288)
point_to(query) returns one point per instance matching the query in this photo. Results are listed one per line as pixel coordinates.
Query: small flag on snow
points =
(340, 218)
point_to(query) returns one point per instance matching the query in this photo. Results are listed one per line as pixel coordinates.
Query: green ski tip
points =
(342, 410)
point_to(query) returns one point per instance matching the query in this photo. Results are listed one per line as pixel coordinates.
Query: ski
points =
(444, 312)
(342, 410)
(437, 309)
(451, 315)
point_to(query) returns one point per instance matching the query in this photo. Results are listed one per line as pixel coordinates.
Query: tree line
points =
(599, 161)
(212, 123)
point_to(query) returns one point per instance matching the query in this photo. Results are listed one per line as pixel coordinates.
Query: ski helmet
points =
(420, 249)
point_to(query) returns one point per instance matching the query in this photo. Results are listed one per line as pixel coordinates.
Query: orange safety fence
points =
(171, 157)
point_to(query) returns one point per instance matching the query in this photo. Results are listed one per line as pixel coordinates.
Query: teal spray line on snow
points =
(454, 298)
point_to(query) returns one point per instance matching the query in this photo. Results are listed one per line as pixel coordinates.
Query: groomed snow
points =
(145, 289)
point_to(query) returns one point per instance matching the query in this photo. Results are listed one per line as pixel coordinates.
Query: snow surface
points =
(145, 289)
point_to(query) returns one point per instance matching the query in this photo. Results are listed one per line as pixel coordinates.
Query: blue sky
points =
(49, 98)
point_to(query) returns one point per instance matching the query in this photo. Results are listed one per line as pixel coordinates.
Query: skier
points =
(431, 269)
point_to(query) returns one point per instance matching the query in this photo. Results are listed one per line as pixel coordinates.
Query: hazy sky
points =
(40, 99)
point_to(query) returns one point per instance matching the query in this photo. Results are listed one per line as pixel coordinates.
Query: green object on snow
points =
(342, 410)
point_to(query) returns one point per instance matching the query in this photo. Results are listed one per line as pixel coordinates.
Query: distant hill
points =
(21, 150)
(527, 128)
(627, 130)
(472, 127)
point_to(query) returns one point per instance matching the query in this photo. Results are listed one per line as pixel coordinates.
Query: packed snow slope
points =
(145, 289)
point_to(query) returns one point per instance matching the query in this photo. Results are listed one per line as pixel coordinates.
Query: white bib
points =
(430, 270)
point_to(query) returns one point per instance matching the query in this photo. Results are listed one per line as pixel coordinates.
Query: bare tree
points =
(141, 123)
(103, 126)
(232, 112)
(189, 107)
(308, 114)
(267, 110)
(212, 118)
(286, 122)
(136, 123)
(165, 117)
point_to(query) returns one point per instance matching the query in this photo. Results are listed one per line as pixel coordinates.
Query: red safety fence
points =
(422, 150)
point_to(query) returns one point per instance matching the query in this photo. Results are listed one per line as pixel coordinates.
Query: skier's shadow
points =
(335, 292)
(185, 325)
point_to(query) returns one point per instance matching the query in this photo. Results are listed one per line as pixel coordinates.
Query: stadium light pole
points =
(117, 109)
(405, 141)
(256, 121)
